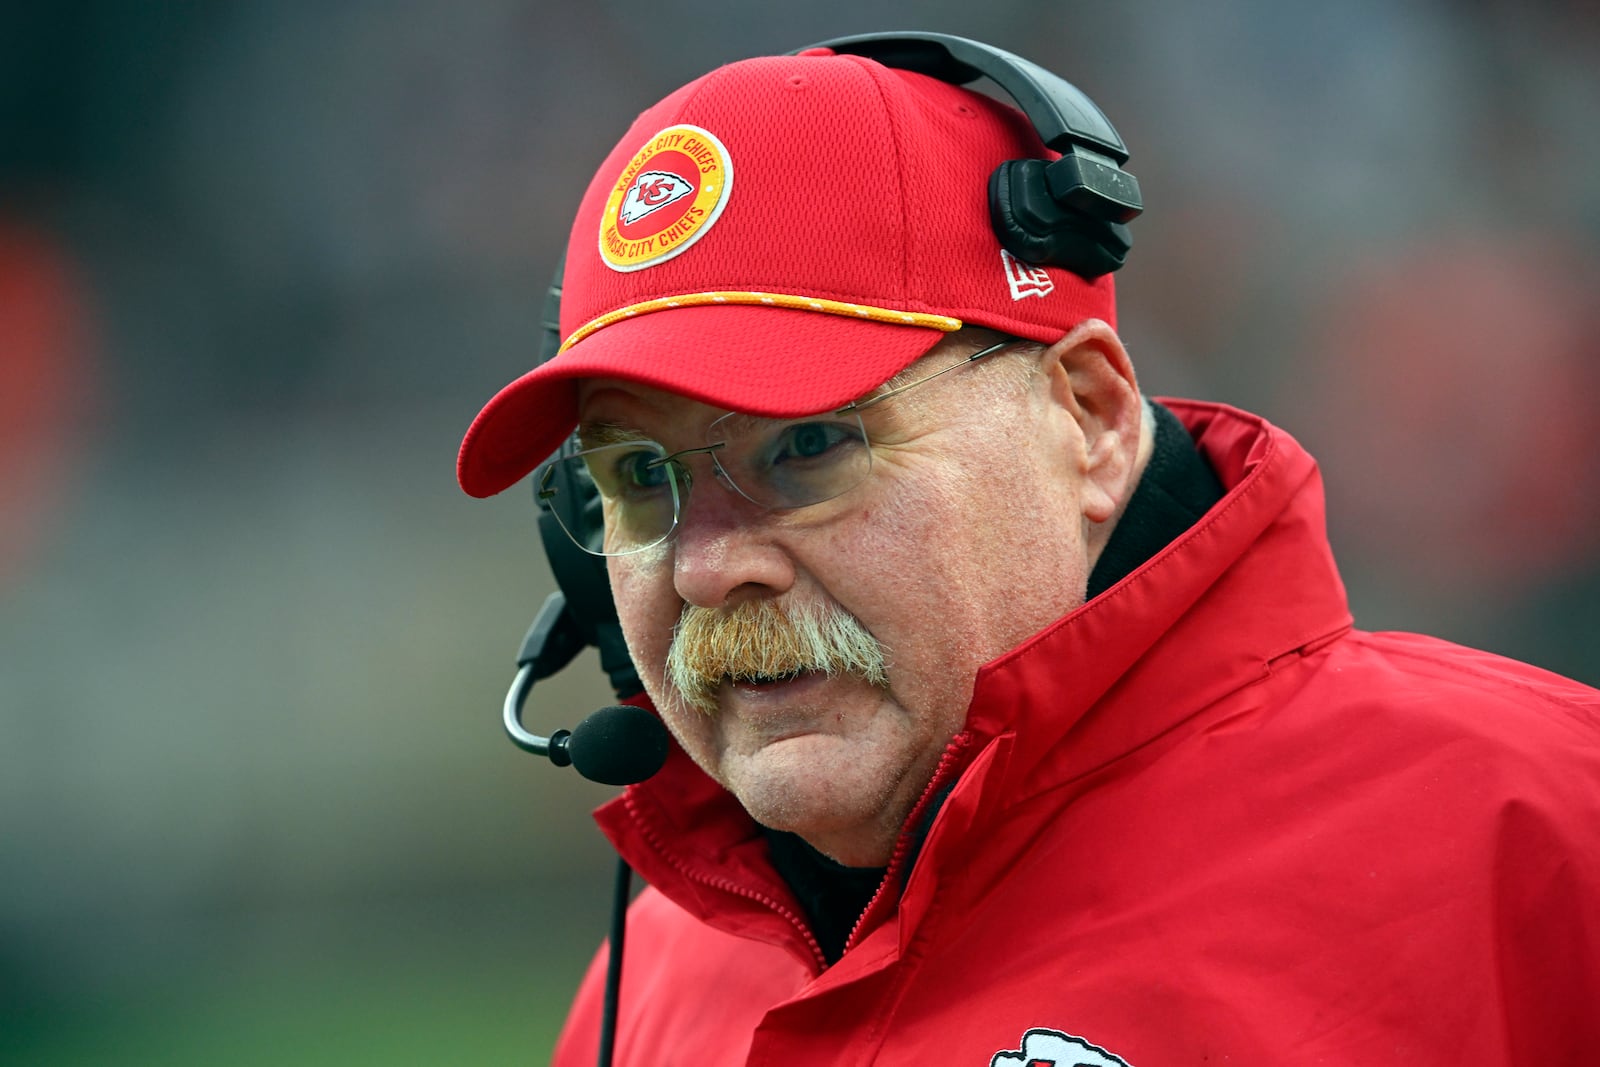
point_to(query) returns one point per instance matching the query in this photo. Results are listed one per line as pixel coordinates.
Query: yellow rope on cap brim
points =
(942, 323)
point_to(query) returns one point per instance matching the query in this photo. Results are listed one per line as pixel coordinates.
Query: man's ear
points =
(1092, 381)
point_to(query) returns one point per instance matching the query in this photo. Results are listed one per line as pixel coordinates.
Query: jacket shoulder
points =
(1470, 687)
(1496, 735)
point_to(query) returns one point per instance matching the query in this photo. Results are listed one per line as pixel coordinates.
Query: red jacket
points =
(1200, 820)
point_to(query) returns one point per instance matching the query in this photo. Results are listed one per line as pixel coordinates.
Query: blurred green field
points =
(472, 991)
(439, 1017)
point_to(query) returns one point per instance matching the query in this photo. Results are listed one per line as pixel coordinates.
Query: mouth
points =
(763, 681)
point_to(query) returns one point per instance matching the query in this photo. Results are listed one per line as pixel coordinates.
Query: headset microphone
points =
(617, 745)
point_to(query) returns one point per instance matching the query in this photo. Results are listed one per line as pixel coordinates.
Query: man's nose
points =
(724, 551)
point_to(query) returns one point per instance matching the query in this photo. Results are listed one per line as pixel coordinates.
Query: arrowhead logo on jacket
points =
(1052, 1048)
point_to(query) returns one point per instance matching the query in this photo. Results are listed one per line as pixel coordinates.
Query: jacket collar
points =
(1252, 581)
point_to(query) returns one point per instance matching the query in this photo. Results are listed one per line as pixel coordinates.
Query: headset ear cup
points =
(1036, 228)
(581, 576)
(571, 513)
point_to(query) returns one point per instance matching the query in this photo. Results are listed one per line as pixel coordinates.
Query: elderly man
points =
(1017, 719)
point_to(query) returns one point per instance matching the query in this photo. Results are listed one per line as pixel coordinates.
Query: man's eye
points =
(644, 470)
(623, 471)
(811, 440)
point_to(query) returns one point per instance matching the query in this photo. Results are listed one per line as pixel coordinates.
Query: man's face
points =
(968, 535)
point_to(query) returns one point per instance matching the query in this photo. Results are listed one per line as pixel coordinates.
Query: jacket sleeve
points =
(1547, 915)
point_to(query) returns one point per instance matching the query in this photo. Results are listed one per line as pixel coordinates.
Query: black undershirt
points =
(1177, 487)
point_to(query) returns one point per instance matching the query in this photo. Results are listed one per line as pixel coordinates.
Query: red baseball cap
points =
(780, 237)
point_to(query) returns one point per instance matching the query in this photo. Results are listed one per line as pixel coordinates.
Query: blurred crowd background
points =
(261, 263)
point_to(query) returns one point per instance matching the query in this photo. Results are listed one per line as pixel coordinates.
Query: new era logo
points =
(1025, 279)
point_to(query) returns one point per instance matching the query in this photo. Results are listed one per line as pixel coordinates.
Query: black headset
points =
(1071, 212)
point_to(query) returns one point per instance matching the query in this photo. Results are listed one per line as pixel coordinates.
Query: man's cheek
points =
(647, 646)
(646, 623)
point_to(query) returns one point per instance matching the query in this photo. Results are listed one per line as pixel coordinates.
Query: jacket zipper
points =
(729, 886)
(953, 754)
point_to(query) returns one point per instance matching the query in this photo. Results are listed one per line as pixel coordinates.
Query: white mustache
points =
(761, 640)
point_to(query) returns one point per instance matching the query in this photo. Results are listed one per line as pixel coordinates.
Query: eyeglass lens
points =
(776, 463)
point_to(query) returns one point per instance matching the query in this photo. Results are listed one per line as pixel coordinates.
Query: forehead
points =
(613, 409)
(618, 409)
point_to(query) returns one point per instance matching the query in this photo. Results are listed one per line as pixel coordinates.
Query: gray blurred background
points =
(261, 263)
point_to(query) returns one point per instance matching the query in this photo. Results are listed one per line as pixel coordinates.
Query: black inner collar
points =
(1177, 487)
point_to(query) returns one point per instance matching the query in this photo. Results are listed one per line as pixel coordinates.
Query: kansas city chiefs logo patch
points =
(1052, 1048)
(665, 199)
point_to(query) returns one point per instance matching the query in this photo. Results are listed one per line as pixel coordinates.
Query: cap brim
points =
(761, 360)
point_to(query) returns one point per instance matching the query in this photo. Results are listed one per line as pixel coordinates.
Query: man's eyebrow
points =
(595, 434)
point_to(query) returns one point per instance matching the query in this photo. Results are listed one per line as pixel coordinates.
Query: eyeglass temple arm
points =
(871, 400)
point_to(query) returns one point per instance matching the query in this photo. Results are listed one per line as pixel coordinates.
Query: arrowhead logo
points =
(652, 191)
(1052, 1048)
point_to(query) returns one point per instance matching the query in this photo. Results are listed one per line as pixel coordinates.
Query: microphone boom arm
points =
(617, 745)
(550, 644)
(554, 746)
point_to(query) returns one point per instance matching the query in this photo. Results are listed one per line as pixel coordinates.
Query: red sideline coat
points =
(1200, 820)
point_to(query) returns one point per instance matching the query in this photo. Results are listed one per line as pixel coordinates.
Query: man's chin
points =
(808, 784)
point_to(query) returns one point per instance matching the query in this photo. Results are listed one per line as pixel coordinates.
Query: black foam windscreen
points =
(618, 745)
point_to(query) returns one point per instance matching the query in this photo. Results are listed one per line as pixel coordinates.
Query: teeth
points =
(765, 679)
